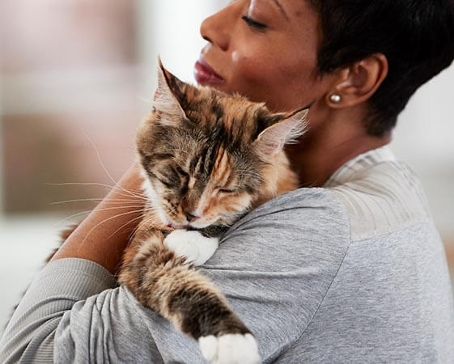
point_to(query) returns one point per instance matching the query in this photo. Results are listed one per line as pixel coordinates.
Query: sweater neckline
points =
(363, 161)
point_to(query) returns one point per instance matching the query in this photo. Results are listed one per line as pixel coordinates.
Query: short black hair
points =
(416, 36)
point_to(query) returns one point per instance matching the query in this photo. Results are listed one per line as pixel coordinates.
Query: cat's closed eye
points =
(181, 172)
(227, 190)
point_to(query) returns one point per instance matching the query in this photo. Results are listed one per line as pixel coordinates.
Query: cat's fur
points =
(207, 159)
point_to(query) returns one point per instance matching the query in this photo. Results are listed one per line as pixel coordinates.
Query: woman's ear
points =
(358, 82)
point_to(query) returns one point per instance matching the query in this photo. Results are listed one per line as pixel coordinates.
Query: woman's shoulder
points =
(297, 211)
(379, 194)
(304, 228)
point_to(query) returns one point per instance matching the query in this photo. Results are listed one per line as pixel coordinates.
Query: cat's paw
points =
(230, 349)
(192, 245)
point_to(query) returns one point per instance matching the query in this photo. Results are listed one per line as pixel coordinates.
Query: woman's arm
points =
(274, 267)
(104, 234)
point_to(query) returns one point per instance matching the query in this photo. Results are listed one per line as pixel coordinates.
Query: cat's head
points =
(207, 157)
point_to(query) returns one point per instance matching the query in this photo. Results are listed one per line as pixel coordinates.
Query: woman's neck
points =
(325, 148)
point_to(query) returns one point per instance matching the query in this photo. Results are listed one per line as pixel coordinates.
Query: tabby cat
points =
(207, 158)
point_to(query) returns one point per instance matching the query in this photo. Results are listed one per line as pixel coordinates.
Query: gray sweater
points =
(354, 272)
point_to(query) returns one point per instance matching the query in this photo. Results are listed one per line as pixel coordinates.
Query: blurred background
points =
(76, 77)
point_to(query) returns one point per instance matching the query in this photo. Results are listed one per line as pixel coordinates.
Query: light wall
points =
(170, 29)
(424, 139)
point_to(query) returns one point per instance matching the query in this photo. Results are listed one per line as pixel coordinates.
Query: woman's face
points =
(265, 50)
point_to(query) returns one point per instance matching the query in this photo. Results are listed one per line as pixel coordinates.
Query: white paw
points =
(192, 245)
(230, 349)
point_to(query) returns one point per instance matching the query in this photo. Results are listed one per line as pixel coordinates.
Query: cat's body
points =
(207, 159)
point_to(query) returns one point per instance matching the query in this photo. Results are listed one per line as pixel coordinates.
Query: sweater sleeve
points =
(30, 333)
(275, 267)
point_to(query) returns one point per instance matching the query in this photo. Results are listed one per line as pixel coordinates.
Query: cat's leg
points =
(223, 349)
(161, 280)
(192, 245)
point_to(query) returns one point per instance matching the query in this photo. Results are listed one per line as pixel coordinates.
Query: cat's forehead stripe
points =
(209, 159)
(221, 170)
(236, 116)
(242, 120)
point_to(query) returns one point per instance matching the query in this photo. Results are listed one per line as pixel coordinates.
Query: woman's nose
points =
(215, 28)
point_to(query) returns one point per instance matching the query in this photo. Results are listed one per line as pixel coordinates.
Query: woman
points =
(350, 271)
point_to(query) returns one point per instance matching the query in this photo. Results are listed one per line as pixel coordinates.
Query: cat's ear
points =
(273, 139)
(169, 95)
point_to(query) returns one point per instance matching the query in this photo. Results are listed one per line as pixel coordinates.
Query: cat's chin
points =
(174, 225)
(189, 226)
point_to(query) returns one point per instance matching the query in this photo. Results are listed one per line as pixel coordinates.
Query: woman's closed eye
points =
(253, 23)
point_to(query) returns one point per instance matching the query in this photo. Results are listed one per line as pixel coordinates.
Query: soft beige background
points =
(75, 79)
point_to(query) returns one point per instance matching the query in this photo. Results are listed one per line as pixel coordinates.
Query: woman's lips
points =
(205, 75)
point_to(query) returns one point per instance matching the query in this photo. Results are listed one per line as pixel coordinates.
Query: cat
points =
(207, 158)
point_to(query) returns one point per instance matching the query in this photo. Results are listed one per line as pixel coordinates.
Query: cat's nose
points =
(190, 217)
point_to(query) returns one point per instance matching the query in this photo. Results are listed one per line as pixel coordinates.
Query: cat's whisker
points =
(116, 183)
(126, 192)
(98, 199)
(86, 212)
(171, 209)
(63, 184)
(145, 221)
(123, 191)
(103, 166)
(125, 224)
(76, 200)
(94, 184)
(106, 220)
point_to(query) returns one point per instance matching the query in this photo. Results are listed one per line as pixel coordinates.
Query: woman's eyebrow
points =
(281, 8)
